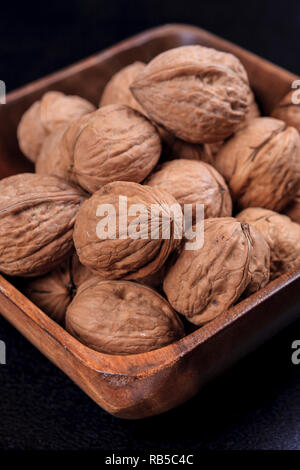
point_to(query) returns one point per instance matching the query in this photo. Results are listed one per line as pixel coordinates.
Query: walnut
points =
(121, 317)
(261, 164)
(135, 252)
(194, 182)
(58, 109)
(287, 111)
(37, 217)
(50, 160)
(117, 90)
(54, 291)
(115, 143)
(282, 235)
(44, 116)
(203, 283)
(31, 132)
(197, 93)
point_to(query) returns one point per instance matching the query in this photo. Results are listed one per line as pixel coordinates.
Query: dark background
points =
(254, 406)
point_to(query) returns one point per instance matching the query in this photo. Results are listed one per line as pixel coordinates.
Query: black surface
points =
(254, 406)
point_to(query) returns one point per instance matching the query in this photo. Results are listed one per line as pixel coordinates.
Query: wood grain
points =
(146, 384)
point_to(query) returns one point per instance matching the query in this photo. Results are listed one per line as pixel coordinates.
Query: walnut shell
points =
(281, 234)
(37, 215)
(194, 182)
(261, 164)
(54, 291)
(287, 111)
(121, 317)
(50, 160)
(118, 144)
(203, 283)
(58, 109)
(31, 132)
(115, 143)
(197, 93)
(117, 90)
(126, 257)
(44, 116)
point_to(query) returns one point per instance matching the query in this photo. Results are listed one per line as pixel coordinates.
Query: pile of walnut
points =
(185, 128)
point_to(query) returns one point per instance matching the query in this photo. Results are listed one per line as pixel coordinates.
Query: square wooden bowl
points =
(146, 384)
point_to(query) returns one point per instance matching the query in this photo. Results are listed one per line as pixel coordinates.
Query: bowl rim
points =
(138, 365)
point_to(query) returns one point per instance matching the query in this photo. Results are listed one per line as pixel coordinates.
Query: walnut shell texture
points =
(197, 93)
(281, 234)
(37, 216)
(31, 132)
(54, 291)
(58, 109)
(194, 182)
(121, 317)
(287, 111)
(261, 164)
(43, 117)
(115, 143)
(50, 160)
(55, 158)
(203, 283)
(117, 90)
(125, 256)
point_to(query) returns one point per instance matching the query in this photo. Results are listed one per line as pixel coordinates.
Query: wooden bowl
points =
(146, 384)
